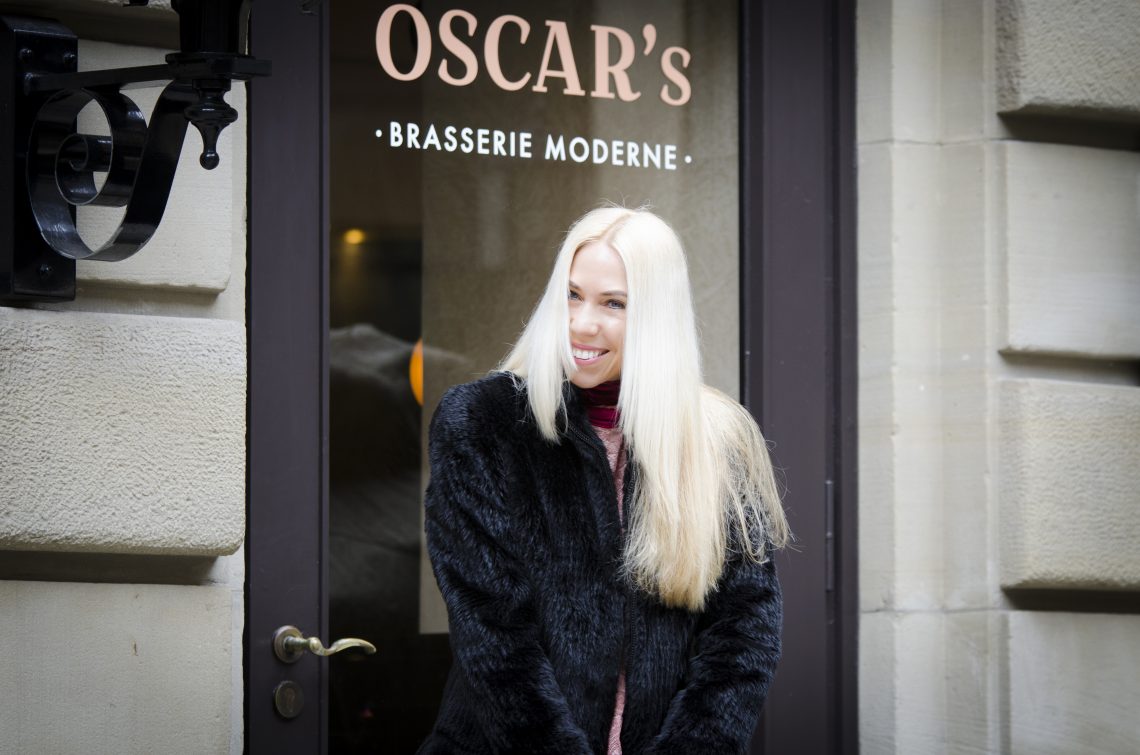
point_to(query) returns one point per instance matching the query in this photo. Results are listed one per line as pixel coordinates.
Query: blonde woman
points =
(601, 522)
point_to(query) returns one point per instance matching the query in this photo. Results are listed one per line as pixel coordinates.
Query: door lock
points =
(289, 644)
(288, 699)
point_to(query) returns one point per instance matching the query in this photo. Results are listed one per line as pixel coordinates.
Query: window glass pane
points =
(465, 138)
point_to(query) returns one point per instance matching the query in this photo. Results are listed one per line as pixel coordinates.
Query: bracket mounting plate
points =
(30, 270)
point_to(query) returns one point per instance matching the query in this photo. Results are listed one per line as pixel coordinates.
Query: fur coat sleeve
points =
(476, 555)
(737, 647)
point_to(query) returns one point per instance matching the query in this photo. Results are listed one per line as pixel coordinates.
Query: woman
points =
(600, 523)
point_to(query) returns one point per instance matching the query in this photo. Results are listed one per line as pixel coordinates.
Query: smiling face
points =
(597, 300)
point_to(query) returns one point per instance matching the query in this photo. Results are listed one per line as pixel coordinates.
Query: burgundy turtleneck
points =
(601, 403)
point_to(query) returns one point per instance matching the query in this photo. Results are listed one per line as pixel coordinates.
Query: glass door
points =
(462, 144)
(384, 702)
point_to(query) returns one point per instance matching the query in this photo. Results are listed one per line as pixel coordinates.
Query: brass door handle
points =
(289, 644)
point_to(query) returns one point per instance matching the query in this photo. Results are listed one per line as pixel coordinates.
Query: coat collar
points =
(578, 427)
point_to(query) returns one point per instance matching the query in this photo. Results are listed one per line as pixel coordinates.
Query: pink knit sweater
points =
(615, 452)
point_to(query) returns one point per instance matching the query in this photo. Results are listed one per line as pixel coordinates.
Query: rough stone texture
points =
(204, 219)
(966, 57)
(877, 689)
(899, 102)
(873, 116)
(926, 71)
(901, 562)
(1069, 485)
(121, 433)
(929, 681)
(963, 384)
(1072, 683)
(103, 668)
(1072, 217)
(915, 707)
(982, 257)
(1074, 58)
(975, 662)
(876, 389)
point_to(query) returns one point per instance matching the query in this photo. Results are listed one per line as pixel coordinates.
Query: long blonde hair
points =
(705, 484)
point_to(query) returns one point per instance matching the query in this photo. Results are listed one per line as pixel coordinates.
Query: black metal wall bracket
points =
(47, 168)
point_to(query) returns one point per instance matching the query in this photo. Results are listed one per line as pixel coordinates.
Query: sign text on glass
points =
(609, 75)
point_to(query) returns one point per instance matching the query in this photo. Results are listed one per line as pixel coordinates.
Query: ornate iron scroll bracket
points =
(48, 168)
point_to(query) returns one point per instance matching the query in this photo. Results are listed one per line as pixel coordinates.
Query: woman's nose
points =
(584, 323)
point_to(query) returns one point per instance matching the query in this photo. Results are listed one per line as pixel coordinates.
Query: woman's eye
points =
(615, 304)
(573, 295)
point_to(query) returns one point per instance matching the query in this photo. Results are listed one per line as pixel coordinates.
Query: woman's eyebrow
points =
(604, 293)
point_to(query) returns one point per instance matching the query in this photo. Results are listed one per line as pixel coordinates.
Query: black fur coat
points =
(525, 542)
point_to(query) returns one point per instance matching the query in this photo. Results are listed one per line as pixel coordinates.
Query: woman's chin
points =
(586, 380)
(583, 382)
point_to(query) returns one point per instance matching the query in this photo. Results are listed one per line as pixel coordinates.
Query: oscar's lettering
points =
(559, 36)
(557, 68)
(684, 90)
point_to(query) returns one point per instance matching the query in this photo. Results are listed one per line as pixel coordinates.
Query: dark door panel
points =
(288, 257)
(798, 332)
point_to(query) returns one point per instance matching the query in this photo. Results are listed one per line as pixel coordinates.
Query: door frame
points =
(287, 316)
(798, 352)
(799, 347)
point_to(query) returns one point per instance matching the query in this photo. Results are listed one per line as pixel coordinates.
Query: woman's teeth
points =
(583, 354)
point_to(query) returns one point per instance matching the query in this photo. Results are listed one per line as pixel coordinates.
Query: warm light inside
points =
(416, 371)
(354, 236)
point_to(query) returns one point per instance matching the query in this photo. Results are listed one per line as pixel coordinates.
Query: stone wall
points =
(122, 486)
(999, 292)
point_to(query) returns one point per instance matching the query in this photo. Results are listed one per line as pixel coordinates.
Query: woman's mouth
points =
(586, 355)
